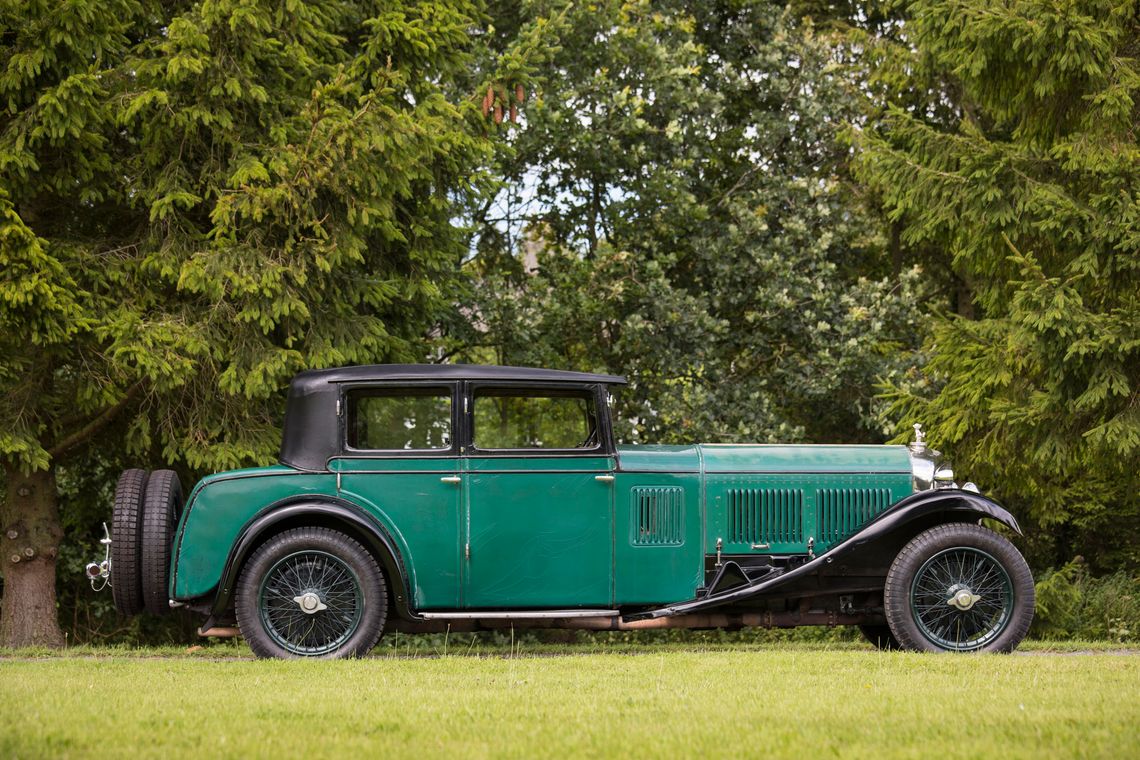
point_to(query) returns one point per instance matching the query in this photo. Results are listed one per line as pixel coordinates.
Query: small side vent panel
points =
(842, 511)
(658, 516)
(765, 516)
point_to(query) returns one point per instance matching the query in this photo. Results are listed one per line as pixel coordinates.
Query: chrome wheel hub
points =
(310, 603)
(962, 598)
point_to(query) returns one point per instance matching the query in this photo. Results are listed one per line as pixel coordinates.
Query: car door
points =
(401, 462)
(538, 486)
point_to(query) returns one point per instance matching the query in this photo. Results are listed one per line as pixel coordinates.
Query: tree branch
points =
(103, 419)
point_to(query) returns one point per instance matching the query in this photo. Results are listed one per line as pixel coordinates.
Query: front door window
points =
(530, 420)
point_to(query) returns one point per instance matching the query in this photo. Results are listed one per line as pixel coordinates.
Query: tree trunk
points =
(29, 545)
(964, 305)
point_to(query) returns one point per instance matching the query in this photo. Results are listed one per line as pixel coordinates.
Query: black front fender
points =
(884, 534)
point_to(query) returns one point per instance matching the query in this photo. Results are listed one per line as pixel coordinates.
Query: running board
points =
(518, 615)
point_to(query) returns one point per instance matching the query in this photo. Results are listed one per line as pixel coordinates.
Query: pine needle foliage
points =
(199, 199)
(1033, 193)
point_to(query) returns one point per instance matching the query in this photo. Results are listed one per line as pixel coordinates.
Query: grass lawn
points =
(715, 700)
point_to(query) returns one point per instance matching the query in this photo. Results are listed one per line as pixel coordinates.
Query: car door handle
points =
(450, 479)
(604, 478)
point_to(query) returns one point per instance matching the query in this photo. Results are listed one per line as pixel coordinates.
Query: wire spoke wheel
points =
(310, 602)
(959, 587)
(962, 599)
(311, 592)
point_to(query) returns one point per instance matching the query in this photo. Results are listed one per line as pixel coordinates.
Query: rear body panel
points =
(539, 532)
(217, 509)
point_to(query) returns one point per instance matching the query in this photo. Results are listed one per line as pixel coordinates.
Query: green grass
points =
(597, 698)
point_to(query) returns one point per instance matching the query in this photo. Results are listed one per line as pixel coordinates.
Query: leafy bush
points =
(1072, 604)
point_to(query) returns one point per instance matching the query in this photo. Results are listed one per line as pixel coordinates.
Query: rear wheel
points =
(126, 542)
(161, 508)
(959, 588)
(311, 592)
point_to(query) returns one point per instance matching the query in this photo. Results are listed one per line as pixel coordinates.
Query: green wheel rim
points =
(961, 599)
(305, 576)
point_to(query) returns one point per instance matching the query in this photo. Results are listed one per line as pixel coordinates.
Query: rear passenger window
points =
(510, 419)
(401, 419)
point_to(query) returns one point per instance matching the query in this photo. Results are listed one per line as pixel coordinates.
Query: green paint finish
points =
(538, 463)
(749, 511)
(392, 464)
(648, 573)
(418, 509)
(806, 459)
(543, 532)
(423, 511)
(659, 458)
(540, 535)
(219, 507)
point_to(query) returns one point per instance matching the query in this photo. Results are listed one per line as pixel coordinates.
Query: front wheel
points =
(311, 592)
(959, 588)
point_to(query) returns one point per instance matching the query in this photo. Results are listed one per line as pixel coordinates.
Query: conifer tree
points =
(197, 200)
(1031, 193)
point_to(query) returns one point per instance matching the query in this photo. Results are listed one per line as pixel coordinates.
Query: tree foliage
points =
(679, 191)
(1032, 191)
(199, 199)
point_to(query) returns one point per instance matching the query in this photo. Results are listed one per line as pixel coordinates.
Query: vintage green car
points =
(463, 497)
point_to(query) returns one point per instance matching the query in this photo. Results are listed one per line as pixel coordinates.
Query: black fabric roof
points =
(312, 433)
(317, 377)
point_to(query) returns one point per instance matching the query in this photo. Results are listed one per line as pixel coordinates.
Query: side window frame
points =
(345, 412)
(596, 392)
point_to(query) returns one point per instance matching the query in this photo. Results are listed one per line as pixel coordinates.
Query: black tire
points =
(126, 546)
(161, 507)
(959, 587)
(880, 636)
(287, 573)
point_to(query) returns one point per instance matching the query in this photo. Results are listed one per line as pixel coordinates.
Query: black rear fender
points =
(335, 514)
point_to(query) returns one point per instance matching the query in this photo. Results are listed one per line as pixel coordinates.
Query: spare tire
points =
(162, 506)
(126, 525)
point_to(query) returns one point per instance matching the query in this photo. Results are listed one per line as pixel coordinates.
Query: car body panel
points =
(410, 497)
(659, 458)
(217, 509)
(773, 458)
(658, 555)
(767, 513)
(540, 532)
